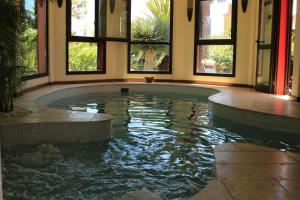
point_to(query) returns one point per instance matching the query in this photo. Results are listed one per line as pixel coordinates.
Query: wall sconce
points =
(112, 5)
(244, 5)
(59, 2)
(190, 4)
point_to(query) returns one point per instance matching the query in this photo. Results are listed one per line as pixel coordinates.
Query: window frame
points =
(85, 39)
(169, 43)
(100, 41)
(206, 42)
(42, 74)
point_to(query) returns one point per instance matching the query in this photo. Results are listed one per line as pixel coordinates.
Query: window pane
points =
(215, 59)
(215, 19)
(33, 38)
(83, 57)
(266, 22)
(150, 57)
(263, 70)
(150, 20)
(83, 18)
(113, 18)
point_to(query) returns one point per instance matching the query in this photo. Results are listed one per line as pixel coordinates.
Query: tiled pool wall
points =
(256, 119)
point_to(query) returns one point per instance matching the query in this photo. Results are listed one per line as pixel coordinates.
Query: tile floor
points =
(251, 172)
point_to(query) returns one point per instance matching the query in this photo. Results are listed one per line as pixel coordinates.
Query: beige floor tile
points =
(254, 148)
(213, 191)
(231, 157)
(226, 147)
(257, 190)
(242, 172)
(292, 186)
(295, 156)
(284, 171)
(270, 157)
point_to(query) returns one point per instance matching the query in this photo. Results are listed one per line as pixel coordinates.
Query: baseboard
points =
(36, 87)
(87, 81)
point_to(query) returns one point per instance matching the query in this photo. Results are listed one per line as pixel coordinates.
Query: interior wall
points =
(36, 82)
(183, 49)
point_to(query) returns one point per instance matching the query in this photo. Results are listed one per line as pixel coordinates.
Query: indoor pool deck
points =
(248, 172)
(243, 171)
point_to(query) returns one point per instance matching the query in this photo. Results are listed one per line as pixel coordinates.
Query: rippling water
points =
(162, 148)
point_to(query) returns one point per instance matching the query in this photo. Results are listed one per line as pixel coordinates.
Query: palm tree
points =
(152, 28)
(10, 56)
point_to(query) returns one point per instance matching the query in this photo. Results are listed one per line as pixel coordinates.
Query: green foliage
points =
(79, 8)
(222, 55)
(29, 49)
(29, 37)
(293, 44)
(82, 57)
(10, 56)
(147, 30)
(160, 9)
(151, 28)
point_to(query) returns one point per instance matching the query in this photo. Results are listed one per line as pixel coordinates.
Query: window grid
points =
(210, 42)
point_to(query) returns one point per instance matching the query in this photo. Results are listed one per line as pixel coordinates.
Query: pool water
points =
(162, 148)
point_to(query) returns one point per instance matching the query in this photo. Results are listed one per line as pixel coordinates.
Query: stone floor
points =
(250, 172)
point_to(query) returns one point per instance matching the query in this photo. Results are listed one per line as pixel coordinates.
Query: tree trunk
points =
(6, 103)
(149, 60)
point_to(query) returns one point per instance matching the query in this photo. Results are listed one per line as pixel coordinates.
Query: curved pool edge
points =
(262, 120)
(229, 103)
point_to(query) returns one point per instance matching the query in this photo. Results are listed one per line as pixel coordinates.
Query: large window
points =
(215, 37)
(34, 38)
(150, 42)
(90, 24)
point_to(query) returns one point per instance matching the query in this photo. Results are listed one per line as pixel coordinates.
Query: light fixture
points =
(112, 5)
(244, 5)
(190, 5)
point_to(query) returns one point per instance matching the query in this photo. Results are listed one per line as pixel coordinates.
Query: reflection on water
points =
(162, 148)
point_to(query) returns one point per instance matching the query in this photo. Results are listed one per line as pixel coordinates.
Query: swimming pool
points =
(162, 146)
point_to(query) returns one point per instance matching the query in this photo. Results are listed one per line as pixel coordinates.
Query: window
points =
(215, 37)
(150, 42)
(91, 23)
(34, 39)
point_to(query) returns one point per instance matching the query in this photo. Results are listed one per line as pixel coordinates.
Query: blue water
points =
(162, 147)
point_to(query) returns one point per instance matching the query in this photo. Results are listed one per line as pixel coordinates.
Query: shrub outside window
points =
(34, 38)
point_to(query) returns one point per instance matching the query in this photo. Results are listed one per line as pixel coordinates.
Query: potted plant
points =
(10, 55)
(149, 79)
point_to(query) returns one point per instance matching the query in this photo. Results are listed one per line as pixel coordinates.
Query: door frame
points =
(273, 47)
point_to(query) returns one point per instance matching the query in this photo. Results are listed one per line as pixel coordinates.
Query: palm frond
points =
(10, 57)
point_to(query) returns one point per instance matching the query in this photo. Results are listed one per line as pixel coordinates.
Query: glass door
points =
(291, 45)
(265, 47)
